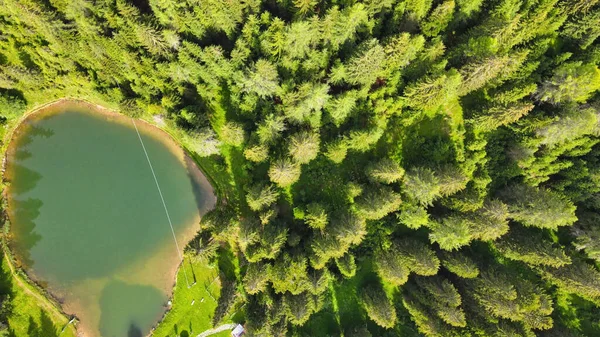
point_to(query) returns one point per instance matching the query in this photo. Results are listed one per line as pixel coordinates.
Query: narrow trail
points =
(57, 315)
(217, 330)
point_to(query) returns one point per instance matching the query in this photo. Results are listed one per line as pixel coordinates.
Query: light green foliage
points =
(204, 142)
(259, 196)
(377, 202)
(336, 151)
(438, 19)
(232, 134)
(300, 37)
(421, 185)
(340, 108)
(299, 307)
(289, 274)
(572, 124)
(588, 235)
(385, 171)
(316, 216)
(304, 104)
(486, 223)
(258, 241)
(11, 107)
(363, 140)
(257, 153)
(347, 265)
(379, 308)
(413, 216)
(501, 115)
(262, 79)
(349, 228)
(451, 180)
(476, 74)
(256, 278)
(270, 129)
(418, 8)
(442, 299)
(538, 207)
(431, 92)
(339, 26)
(304, 6)
(393, 265)
(571, 82)
(390, 267)
(304, 146)
(284, 172)
(366, 65)
(468, 7)
(401, 49)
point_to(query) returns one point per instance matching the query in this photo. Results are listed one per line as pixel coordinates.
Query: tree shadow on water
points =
(134, 331)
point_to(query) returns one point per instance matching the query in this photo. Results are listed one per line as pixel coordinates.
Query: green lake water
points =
(87, 220)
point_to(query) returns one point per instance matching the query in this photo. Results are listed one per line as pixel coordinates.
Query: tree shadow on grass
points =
(46, 328)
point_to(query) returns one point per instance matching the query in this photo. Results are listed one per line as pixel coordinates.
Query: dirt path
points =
(42, 301)
(217, 330)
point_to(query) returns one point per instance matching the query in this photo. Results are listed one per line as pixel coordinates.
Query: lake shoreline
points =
(155, 131)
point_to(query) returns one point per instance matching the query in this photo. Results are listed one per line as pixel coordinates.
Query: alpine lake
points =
(86, 217)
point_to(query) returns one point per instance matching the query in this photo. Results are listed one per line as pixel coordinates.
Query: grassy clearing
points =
(185, 319)
(32, 313)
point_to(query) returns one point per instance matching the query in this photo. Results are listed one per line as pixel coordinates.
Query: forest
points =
(384, 167)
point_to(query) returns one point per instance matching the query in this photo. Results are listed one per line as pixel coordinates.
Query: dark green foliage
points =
(531, 247)
(538, 207)
(460, 264)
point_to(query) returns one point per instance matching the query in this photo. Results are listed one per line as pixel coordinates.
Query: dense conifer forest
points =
(384, 167)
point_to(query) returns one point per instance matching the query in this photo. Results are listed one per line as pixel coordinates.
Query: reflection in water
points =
(134, 331)
(24, 213)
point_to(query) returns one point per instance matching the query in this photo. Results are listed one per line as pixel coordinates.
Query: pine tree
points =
(413, 216)
(532, 248)
(259, 197)
(421, 185)
(284, 172)
(270, 129)
(536, 207)
(377, 202)
(256, 278)
(378, 306)
(438, 19)
(256, 153)
(385, 171)
(346, 265)
(204, 142)
(460, 264)
(304, 146)
(262, 80)
(232, 134)
(316, 216)
(571, 82)
(366, 65)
